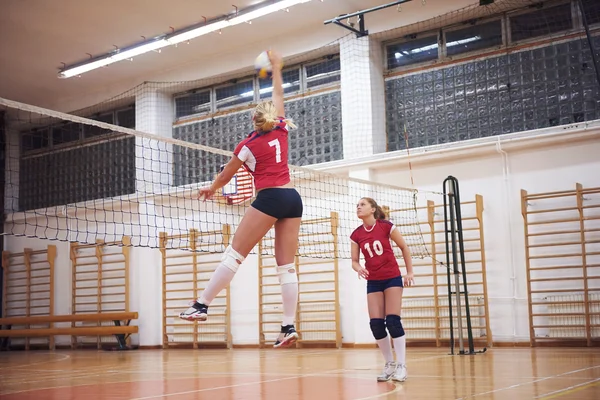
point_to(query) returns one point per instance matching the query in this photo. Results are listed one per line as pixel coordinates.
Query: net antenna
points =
(455, 245)
(361, 31)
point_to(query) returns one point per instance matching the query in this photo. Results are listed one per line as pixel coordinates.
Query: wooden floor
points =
(512, 374)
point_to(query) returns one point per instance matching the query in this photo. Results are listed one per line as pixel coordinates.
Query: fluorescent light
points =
(280, 5)
(178, 37)
(194, 33)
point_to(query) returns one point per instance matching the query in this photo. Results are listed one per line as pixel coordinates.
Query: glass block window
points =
(192, 103)
(318, 137)
(522, 91)
(541, 22)
(291, 84)
(234, 94)
(473, 38)
(323, 73)
(77, 174)
(414, 51)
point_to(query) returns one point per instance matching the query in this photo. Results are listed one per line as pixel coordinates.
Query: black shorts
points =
(279, 202)
(381, 285)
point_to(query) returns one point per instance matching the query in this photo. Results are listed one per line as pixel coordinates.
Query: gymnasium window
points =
(36, 139)
(323, 72)
(234, 94)
(291, 84)
(473, 38)
(196, 102)
(91, 130)
(250, 89)
(415, 50)
(545, 20)
(592, 11)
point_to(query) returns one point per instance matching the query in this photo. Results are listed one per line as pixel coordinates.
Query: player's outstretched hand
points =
(207, 193)
(363, 273)
(275, 58)
(409, 280)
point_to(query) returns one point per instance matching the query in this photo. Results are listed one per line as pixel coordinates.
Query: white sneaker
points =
(388, 370)
(401, 374)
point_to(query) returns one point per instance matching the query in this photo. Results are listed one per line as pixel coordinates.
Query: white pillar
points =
(363, 97)
(154, 113)
(154, 173)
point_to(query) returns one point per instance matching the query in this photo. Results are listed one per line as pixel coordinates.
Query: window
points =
(34, 140)
(322, 73)
(591, 9)
(236, 94)
(472, 38)
(65, 133)
(414, 51)
(126, 118)
(92, 130)
(291, 84)
(544, 21)
(193, 103)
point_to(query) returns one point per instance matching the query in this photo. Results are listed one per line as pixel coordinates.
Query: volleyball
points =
(262, 64)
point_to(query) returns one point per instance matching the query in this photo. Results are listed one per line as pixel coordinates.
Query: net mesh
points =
(126, 182)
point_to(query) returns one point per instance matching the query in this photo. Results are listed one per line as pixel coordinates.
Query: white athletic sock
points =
(289, 294)
(386, 348)
(217, 282)
(400, 348)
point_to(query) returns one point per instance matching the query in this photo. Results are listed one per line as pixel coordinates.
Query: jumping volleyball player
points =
(264, 153)
(384, 283)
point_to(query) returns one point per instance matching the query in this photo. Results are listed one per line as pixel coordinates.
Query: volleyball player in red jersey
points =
(264, 153)
(384, 283)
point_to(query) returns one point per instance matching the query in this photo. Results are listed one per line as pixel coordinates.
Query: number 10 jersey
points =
(376, 247)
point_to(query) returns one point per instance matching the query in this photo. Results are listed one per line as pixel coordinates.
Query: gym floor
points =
(500, 373)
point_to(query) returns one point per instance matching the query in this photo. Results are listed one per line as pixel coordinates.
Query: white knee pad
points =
(232, 259)
(287, 274)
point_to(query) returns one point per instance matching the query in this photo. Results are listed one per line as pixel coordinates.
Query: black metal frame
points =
(361, 31)
(453, 227)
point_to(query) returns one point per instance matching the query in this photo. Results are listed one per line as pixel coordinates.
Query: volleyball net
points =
(114, 181)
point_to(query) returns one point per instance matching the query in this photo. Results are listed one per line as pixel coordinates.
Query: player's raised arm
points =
(276, 65)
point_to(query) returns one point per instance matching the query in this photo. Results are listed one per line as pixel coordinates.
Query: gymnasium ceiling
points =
(36, 36)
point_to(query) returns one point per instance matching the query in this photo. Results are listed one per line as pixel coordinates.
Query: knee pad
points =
(287, 274)
(232, 259)
(378, 328)
(394, 326)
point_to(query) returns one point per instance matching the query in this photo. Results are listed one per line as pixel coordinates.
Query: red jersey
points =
(376, 247)
(265, 156)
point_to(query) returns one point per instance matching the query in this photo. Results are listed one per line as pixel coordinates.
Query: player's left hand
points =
(207, 193)
(409, 280)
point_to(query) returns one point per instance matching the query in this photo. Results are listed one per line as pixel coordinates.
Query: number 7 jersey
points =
(265, 156)
(376, 248)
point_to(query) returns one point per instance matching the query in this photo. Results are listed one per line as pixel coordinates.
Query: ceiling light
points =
(178, 37)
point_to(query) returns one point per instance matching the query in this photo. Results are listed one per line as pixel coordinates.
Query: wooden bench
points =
(120, 331)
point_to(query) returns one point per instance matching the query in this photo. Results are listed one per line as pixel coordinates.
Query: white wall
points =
(557, 167)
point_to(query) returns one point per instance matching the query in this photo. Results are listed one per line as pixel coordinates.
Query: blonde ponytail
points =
(265, 117)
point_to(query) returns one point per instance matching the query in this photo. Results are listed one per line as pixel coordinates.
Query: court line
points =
(530, 382)
(570, 389)
(234, 386)
(278, 380)
(66, 357)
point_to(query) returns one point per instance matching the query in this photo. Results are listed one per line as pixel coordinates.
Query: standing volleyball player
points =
(384, 283)
(264, 153)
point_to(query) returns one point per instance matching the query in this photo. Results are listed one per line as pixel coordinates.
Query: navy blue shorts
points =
(381, 285)
(279, 202)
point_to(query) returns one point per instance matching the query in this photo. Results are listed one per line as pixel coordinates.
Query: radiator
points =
(569, 321)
